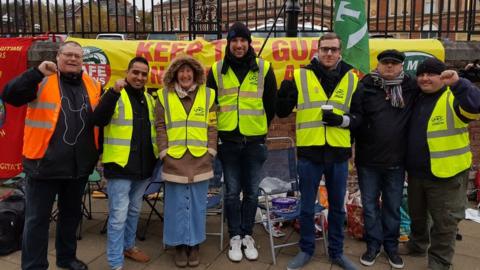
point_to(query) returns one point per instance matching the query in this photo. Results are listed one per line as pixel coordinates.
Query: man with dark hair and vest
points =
(322, 93)
(127, 113)
(60, 149)
(246, 90)
(438, 161)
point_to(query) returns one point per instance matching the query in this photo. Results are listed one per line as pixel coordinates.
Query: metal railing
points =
(452, 19)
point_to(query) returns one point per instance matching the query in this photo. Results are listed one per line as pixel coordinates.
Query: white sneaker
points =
(249, 248)
(235, 252)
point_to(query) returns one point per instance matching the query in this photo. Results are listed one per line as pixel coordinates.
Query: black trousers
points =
(40, 196)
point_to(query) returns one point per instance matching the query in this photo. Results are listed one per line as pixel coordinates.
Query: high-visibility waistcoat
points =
(42, 114)
(447, 138)
(309, 126)
(118, 133)
(187, 131)
(241, 105)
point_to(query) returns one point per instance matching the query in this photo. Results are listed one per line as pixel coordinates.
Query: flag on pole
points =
(351, 25)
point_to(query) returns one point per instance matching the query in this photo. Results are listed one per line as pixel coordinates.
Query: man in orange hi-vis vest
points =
(60, 149)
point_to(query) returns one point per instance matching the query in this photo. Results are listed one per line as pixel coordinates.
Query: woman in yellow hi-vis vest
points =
(187, 140)
(438, 161)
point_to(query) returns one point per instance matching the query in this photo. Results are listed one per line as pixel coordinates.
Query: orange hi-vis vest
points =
(42, 114)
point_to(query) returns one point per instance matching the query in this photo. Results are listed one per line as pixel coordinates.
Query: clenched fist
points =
(119, 85)
(47, 68)
(449, 77)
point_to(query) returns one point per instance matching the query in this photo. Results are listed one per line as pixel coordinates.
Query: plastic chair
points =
(279, 175)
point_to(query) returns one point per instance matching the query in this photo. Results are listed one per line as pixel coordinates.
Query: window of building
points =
(430, 6)
(429, 33)
(401, 8)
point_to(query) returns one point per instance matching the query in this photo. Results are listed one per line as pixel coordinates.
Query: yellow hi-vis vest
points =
(447, 138)
(310, 130)
(187, 131)
(118, 133)
(241, 105)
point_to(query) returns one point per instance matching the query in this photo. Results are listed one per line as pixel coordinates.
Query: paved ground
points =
(91, 249)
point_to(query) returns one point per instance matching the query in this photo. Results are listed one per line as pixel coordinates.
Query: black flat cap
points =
(392, 55)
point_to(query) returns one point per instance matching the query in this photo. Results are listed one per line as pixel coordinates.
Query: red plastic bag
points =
(355, 221)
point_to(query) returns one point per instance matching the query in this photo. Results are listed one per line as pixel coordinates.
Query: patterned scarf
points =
(183, 93)
(392, 88)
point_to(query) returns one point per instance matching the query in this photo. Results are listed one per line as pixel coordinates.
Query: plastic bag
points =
(275, 185)
(355, 223)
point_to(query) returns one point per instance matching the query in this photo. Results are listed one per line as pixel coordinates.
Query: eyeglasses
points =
(331, 49)
(72, 55)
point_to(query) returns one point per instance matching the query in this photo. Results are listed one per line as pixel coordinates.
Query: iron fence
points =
(452, 19)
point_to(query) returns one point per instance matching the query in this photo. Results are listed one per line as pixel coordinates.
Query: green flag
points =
(351, 25)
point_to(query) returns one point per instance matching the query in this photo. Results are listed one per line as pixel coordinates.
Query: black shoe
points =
(368, 258)
(395, 260)
(76, 264)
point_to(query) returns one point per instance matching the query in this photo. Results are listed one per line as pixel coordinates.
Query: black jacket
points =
(141, 160)
(71, 153)
(241, 67)
(287, 100)
(467, 96)
(379, 129)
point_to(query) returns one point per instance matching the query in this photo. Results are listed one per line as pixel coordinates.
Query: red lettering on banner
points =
(143, 49)
(280, 54)
(289, 72)
(257, 45)
(194, 47)
(156, 74)
(297, 54)
(162, 47)
(176, 48)
(218, 44)
(314, 49)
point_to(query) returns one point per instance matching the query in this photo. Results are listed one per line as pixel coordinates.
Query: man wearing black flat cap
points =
(382, 108)
(438, 161)
(245, 93)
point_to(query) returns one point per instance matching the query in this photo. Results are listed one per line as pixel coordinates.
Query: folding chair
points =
(280, 168)
(215, 203)
(93, 179)
(152, 192)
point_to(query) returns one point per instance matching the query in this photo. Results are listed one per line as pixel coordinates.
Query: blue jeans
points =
(241, 163)
(310, 174)
(382, 222)
(124, 206)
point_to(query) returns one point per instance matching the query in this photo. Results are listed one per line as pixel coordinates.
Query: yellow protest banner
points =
(107, 60)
